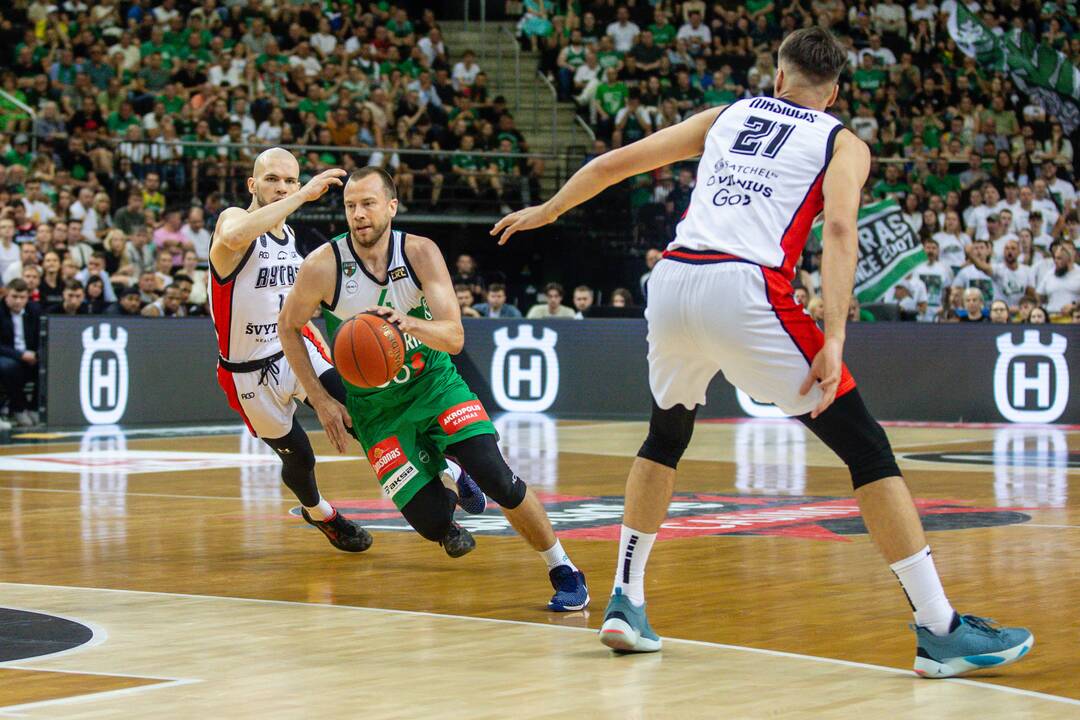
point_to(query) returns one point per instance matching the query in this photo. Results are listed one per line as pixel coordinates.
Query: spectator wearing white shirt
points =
(952, 242)
(1045, 203)
(1061, 191)
(194, 231)
(586, 80)
(433, 47)
(911, 295)
(303, 57)
(324, 42)
(1060, 288)
(1011, 279)
(269, 132)
(883, 56)
(28, 256)
(971, 276)
(38, 209)
(922, 10)
(465, 71)
(98, 219)
(935, 276)
(622, 31)
(696, 34)
(165, 12)
(83, 202)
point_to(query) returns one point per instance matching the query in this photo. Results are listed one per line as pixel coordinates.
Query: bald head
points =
(276, 175)
(275, 157)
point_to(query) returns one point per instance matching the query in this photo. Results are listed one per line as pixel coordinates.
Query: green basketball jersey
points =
(356, 289)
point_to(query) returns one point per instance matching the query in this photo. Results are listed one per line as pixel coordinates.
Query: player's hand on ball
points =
(825, 370)
(317, 186)
(526, 219)
(403, 322)
(334, 417)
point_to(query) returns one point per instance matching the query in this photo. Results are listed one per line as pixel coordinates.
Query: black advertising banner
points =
(135, 371)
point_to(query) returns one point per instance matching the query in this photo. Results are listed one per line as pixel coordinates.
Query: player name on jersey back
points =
(759, 182)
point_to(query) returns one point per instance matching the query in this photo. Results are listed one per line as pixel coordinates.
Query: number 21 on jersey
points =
(757, 130)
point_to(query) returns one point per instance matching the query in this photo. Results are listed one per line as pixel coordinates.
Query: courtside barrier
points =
(140, 371)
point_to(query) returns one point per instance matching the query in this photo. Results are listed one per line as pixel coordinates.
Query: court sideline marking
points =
(701, 643)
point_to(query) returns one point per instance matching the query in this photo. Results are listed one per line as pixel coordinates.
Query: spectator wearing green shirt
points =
(663, 31)
(401, 28)
(118, 122)
(892, 185)
(722, 91)
(607, 55)
(609, 100)
(1005, 122)
(942, 181)
(869, 76)
(314, 103)
(476, 172)
(19, 154)
(927, 131)
(154, 75)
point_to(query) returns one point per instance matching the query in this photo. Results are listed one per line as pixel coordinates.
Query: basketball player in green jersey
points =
(427, 411)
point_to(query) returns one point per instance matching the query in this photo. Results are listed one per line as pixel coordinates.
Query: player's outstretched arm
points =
(237, 228)
(443, 331)
(316, 276)
(840, 244)
(678, 142)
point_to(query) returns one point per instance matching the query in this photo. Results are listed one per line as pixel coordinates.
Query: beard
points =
(1061, 271)
(374, 233)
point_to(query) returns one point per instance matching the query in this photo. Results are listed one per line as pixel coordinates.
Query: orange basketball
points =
(368, 351)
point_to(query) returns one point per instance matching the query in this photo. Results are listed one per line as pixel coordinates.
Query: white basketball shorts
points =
(711, 312)
(265, 399)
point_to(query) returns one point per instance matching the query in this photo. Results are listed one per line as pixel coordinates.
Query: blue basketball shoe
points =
(626, 628)
(973, 644)
(571, 593)
(470, 497)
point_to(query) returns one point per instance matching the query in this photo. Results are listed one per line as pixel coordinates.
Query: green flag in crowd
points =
(888, 250)
(1037, 69)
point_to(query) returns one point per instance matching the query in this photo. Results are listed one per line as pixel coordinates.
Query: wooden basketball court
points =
(203, 594)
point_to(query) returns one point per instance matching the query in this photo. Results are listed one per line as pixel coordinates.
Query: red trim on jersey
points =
(221, 296)
(699, 255)
(798, 230)
(228, 384)
(802, 329)
(306, 332)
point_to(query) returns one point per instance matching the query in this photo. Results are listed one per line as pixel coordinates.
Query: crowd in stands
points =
(986, 177)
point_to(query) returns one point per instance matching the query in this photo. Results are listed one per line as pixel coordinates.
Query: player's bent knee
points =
(481, 458)
(431, 511)
(669, 435)
(851, 432)
(294, 449)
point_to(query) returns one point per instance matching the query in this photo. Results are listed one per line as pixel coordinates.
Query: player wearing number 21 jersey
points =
(721, 300)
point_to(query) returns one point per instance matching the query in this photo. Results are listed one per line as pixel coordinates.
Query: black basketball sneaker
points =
(343, 534)
(458, 541)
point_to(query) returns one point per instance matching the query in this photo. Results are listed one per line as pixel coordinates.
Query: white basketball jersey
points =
(246, 303)
(759, 182)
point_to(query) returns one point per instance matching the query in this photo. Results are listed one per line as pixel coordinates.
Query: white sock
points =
(555, 556)
(920, 581)
(321, 511)
(634, 548)
(453, 470)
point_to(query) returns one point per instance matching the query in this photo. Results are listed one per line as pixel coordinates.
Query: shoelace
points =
(982, 624)
(268, 370)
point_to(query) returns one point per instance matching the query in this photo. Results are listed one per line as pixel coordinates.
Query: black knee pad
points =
(852, 433)
(297, 463)
(669, 434)
(430, 512)
(481, 458)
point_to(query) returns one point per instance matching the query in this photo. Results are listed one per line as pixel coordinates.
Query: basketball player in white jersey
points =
(253, 265)
(721, 300)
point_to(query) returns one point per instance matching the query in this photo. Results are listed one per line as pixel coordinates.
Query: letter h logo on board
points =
(103, 375)
(1031, 379)
(525, 369)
